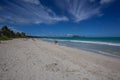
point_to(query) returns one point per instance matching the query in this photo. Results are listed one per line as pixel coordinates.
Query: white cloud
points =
(33, 11)
(26, 13)
(37, 2)
(1, 20)
(82, 10)
(14, 29)
(1, 8)
(106, 1)
(92, 0)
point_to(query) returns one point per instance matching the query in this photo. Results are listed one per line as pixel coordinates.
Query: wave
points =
(97, 42)
(89, 42)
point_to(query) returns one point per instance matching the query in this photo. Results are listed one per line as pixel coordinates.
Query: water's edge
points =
(85, 49)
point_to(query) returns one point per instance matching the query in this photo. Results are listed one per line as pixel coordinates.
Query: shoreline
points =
(88, 50)
(33, 59)
(98, 52)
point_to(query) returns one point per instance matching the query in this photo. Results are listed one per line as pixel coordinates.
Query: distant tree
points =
(6, 32)
(12, 34)
(20, 35)
(0, 33)
(23, 34)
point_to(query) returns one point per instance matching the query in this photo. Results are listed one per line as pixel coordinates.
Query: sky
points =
(90, 18)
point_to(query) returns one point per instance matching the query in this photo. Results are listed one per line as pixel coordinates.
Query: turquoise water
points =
(107, 46)
(110, 39)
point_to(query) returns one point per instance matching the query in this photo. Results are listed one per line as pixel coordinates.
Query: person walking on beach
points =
(55, 42)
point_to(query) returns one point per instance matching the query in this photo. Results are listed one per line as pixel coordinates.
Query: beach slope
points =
(32, 59)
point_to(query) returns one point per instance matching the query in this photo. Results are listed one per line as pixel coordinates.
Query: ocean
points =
(105, 46)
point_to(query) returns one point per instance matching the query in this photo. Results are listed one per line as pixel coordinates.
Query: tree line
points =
(6, 32)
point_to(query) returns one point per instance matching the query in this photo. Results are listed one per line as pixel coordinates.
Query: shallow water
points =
(99, 45)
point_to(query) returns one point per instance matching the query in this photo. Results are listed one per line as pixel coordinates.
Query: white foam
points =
(97, 42)
(90, 42)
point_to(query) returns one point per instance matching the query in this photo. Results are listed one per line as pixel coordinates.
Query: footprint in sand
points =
(85, 79)
(3, 67)
(52, 67)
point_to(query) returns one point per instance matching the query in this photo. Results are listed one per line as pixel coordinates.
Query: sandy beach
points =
(32, 59)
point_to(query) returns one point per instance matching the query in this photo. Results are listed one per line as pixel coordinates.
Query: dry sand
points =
(28, 59)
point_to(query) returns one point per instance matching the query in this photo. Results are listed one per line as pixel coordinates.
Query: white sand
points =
(22, 59)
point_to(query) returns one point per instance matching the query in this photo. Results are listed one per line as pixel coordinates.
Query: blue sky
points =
(92, 18)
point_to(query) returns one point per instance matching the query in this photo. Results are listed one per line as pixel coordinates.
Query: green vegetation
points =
(5, 38)
(8, 34)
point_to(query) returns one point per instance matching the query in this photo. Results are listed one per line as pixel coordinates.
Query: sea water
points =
(107, 46)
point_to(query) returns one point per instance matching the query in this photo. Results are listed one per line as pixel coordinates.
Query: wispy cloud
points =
(37, 2)
(0, 8)
(14, 29)
(25, 12)
(34, 12)
(82, 9)
(106, 1)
